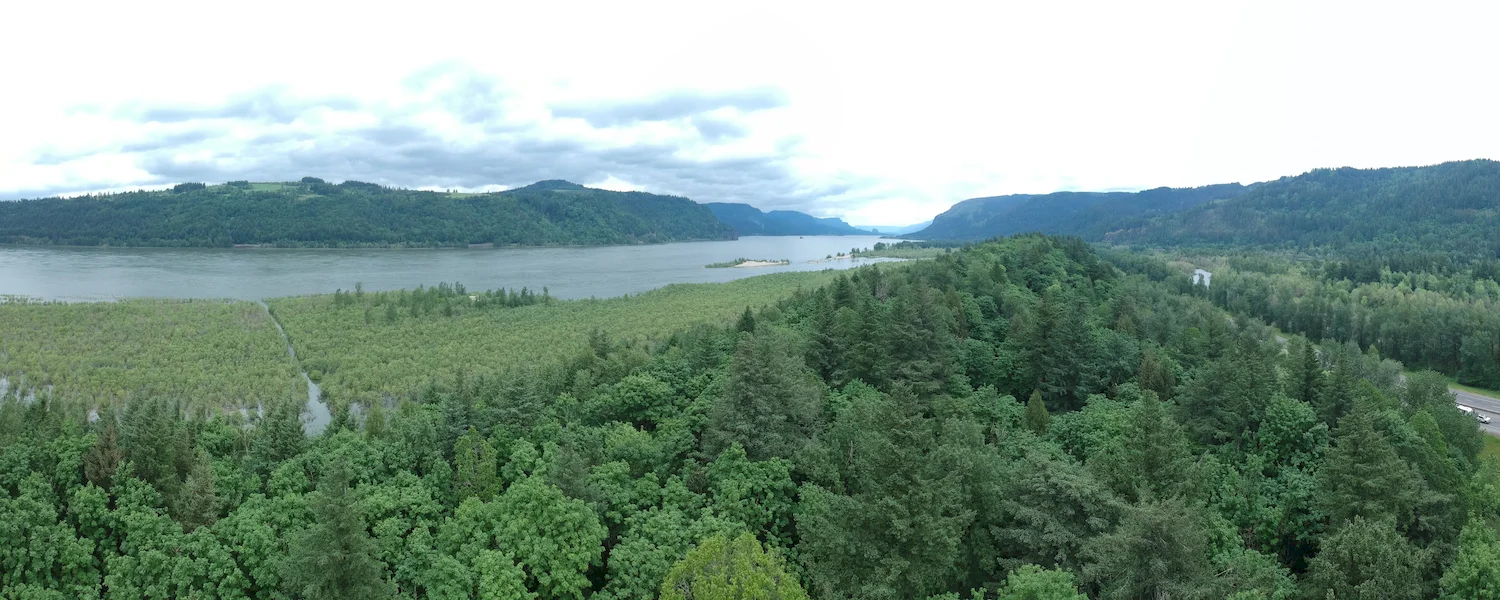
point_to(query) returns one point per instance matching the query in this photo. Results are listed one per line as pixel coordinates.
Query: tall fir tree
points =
(477, 473)
(1037, 416)
(335, 557)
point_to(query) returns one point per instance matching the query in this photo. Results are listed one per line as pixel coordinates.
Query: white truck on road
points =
(1483, 418)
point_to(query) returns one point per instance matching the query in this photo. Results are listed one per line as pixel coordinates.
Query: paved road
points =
(1483, 404)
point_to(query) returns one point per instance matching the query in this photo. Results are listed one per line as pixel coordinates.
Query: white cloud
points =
(877, 113)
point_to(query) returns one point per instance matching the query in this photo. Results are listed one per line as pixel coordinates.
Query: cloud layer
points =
(454, 127)
(873, 113)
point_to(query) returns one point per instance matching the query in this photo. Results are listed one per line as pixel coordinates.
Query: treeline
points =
(314, 213)
(1449, 322)
(1017, 419)
(444, 299)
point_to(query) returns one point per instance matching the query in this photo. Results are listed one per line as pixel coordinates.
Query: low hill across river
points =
(748, 220)
(314, 213)
(1085, 214)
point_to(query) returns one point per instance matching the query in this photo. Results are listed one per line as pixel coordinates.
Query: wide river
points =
(80, 274)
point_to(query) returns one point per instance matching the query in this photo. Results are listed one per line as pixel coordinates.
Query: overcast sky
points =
(877, 113)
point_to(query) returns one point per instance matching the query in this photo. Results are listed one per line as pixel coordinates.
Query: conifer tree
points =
(1160, 550)
(1155, 376)
(104, 457)
(747, 322)
(198, 504)
(334, 558)
(477, 474)
(1310, 380)
(1363, 476)
(770, 403)
(1037, 416)
(1152, 459)
(1366, 560)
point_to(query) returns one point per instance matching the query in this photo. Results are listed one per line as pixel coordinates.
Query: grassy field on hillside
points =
(209, 353)
(358, 353)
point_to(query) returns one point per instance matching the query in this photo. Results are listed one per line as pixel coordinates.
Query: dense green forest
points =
(1019, 419)
(315, 213)
(1451, 208)
(1090, 215)
(1427, 315)
(1446, 212)
(748, 220)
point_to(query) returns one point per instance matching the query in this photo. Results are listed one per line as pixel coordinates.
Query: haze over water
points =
(82, 274)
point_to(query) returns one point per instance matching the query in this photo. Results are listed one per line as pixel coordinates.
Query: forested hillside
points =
(1429, 315)
(748, 220)
(1019, 418)
(1448, 208)
(1086, 214)
(314, 213)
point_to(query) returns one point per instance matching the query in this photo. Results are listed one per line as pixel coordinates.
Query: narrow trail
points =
(318, 415)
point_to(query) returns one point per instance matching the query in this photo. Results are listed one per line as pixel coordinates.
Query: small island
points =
(749, 262)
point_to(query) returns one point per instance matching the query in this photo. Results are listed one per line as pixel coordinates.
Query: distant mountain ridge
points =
(749, 220)
(1085, 214)
(896, 229)
(1452, 207)
(314, 213)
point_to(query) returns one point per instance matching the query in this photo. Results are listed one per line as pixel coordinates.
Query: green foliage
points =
(724, 569)
(500, 578)
(890, 524)
(771, 403)
(1367, 559)
(211, 353)
(1150, 458)
(1441, 208)
(1364, 477)
(365, 362)
(1031, 582)
(865, 429)
(335, 556)
(1475, 572)
(1159, 551)
(314, 213)
(475, 462)
(1037, 416)
(554, 537)
(1088, 214)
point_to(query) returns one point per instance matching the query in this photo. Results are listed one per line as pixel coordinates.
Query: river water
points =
(81, 274)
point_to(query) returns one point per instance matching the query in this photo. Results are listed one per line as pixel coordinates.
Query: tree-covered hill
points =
(1451, 207)
(1087, 214)
(748, 220)
(314, 213)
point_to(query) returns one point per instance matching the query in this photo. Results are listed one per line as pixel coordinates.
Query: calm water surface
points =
(78, 274)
